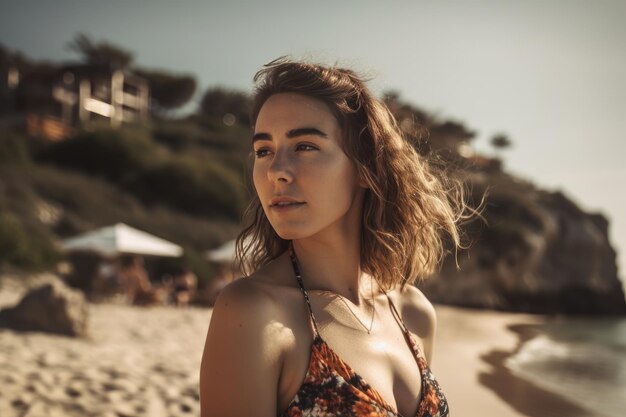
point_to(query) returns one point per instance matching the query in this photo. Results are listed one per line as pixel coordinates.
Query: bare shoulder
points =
(260, 290)
(420, 307)
(249, 294)
(248, 309)
(420, 317)
(243, 353)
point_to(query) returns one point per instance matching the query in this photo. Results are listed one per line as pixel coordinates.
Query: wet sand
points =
(470, 353)
(145, 361)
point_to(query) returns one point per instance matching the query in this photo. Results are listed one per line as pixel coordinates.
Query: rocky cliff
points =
(537, 252)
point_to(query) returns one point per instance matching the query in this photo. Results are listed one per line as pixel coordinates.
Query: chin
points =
(291, 232)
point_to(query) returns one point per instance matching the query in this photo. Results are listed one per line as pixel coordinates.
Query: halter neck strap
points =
(296, 270)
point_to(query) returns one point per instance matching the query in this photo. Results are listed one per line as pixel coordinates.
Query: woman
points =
(345, 218)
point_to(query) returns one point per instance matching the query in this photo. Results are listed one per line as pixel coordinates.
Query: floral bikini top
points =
(332, 388)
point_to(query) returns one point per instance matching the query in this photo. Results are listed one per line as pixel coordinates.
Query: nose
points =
(280, 169)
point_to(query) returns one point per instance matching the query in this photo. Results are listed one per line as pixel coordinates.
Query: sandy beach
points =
(145, 361)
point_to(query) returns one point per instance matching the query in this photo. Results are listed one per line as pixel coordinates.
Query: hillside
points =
(184, 180)
(173, 179)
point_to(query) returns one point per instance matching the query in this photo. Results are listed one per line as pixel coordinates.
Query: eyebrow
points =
(301, 131)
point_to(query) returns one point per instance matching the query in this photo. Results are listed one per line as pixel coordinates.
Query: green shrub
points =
(228, 144)
(87, 203)
(201, 189)
(198, 184)
(25, 248)
(112, 154)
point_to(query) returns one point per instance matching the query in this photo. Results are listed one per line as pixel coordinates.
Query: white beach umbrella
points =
(121, 238)
(222, 254)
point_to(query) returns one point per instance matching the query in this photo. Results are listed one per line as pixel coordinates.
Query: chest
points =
(383, 359)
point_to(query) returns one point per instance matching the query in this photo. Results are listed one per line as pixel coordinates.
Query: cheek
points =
(339, 182)
(260, 186)
(257, 177)
(347, 172)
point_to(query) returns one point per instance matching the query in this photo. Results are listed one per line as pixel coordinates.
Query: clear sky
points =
(549, 74)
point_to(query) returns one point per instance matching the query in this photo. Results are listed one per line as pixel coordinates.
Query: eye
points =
(305, 147)
(261, 153)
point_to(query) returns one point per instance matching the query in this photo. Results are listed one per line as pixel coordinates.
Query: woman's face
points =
(304, 180)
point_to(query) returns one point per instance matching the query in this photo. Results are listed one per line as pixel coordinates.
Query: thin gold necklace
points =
(369, 330)
(341, 297)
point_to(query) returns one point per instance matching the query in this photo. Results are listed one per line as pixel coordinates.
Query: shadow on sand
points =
(524, 396)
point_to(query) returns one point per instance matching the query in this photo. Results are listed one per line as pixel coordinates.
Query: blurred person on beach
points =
(185, 284)
(134, 277)
(108, 280)
(345, 217)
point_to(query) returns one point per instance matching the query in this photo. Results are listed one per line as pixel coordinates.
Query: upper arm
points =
(421, 318)
(242, 355)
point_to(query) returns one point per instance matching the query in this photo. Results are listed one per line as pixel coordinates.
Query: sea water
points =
(583, 360)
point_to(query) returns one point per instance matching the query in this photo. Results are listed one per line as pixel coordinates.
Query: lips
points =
(284, 202)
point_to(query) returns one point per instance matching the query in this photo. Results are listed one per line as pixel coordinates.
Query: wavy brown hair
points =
(410, 207)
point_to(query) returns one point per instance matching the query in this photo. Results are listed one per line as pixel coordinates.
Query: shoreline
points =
(521, 394)
(478, 342)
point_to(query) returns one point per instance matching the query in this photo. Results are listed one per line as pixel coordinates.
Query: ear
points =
(361, 177)
(363, 183)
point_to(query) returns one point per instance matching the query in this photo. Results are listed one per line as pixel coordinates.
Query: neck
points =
(335, 268)
(331, 259)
